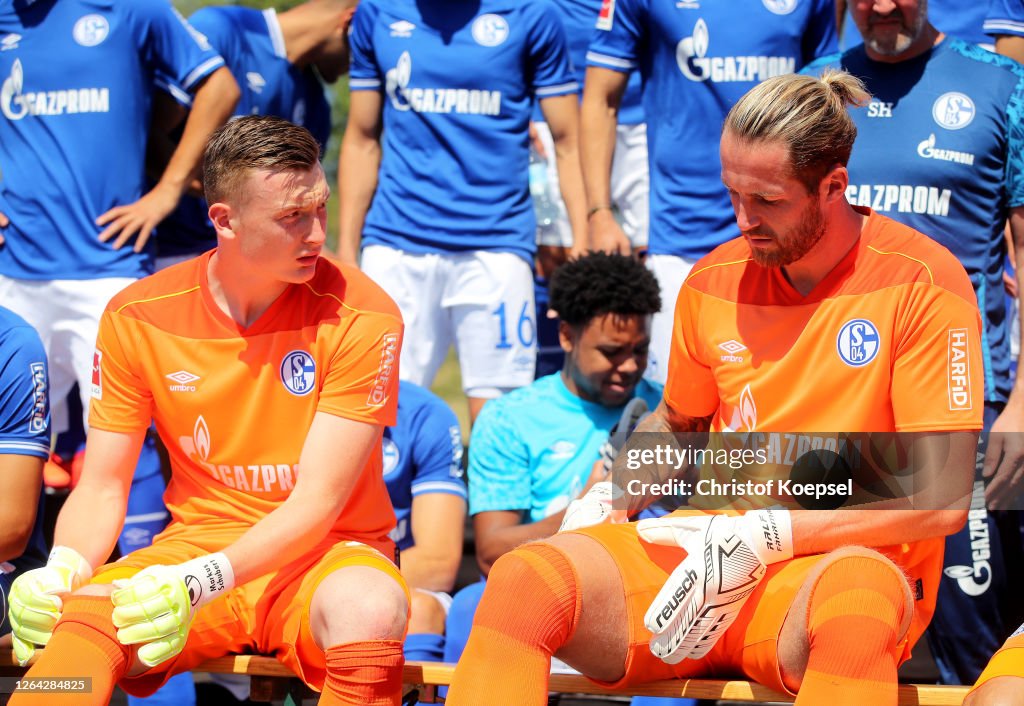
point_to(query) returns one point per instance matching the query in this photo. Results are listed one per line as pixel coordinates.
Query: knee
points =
(427, 615)
(358, 603)
(1000, 691)
(868, 578)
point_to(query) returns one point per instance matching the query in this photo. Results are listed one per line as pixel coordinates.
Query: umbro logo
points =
(10, 42)
(732, 347)
(256, 81)
(183, 378)
(402, 28)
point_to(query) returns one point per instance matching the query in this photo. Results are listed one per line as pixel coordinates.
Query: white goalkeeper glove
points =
(155, 607)
(594, 508)
(36, 599)
(726, 559)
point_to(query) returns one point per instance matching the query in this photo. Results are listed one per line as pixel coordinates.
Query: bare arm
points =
(438, 524)
(214, 102)
(358, 164)
(22, 480)
(602, 94)
(1011, 46)
(332, 458)
(1004, 456)
(110, 460)
(562, 116)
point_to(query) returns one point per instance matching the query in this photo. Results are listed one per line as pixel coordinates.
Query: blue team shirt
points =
(74, 128)
(253, 48)
(422, 454)
(457, 82)
(939, 148)
(534, 449)
(1005, 17)
(696, 60)
(24, 411)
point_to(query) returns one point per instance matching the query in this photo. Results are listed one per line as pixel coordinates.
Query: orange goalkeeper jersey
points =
(232, 404)
(889, 341)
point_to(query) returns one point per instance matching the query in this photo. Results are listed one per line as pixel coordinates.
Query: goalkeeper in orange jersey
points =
(822, 316)
(270, 373)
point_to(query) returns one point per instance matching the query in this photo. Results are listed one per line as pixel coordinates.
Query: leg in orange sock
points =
(364, 674)
(84, 644)
(508, 655)
(855, 619)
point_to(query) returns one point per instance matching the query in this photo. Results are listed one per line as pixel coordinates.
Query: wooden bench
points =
(273, 681)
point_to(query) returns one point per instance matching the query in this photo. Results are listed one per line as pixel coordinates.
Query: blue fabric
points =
(1004, 17)
(460, 620)
(696, 59)
(661, 701)
(250, 42)
(76, 104)
(180, 690)
(941, 149)
(424, 647)
(453, 173)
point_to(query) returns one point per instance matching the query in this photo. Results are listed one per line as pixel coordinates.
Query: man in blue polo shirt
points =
(440, 108)
(696, 59)
(939, 148)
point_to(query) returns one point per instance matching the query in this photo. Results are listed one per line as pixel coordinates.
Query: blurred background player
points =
(696, 60)
(536, 449)
(938, 150)
(295, 369)
(24, 447)
(282, 62)
(831, 620)
(423, 473)
(440, 201)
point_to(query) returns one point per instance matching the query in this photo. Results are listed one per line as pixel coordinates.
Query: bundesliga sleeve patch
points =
(607, 15)
(97, 378)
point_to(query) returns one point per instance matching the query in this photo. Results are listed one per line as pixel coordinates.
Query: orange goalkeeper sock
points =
(365, 673)
(84, 644)
(853, 621)
(508, 655)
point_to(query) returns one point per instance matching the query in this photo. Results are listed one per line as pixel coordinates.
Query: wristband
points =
(206, 578)
(595, 209)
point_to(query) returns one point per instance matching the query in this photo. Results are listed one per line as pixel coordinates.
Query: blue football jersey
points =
(939, 148)
(422, 454)
(1004, 17)
(696, 59)
(457, 81)
(24, 410)
(533, 449)
(77, 79)
(253, 48)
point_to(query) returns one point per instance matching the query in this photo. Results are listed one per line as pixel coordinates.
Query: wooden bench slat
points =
(429, 675)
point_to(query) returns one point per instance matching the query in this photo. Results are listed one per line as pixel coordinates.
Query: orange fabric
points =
(1008, 661)
(269, 615)
(233, 405)
(522, 642)
(84, 644)
(750, 645)
(853, 617)
(364, 674)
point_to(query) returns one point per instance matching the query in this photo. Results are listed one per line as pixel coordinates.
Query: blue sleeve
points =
(551, 71)
(1004, 17)
(363, 72)
(215, 25)
(820, 37)
(24, 394)
(1015, 142)
(620, 31)
(816, 67)
(437, 452)
(171, 46)
(499, 463)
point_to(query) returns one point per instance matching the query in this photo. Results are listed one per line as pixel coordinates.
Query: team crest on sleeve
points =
(298, 373)
(391, 456)
(858, 342)
(385, 371)
(606, 16)
(97, 377)
(780, 7)
(953, 110)
(490, 30)
(91, 30)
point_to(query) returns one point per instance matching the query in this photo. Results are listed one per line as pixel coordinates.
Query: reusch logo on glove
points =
(677, 597)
